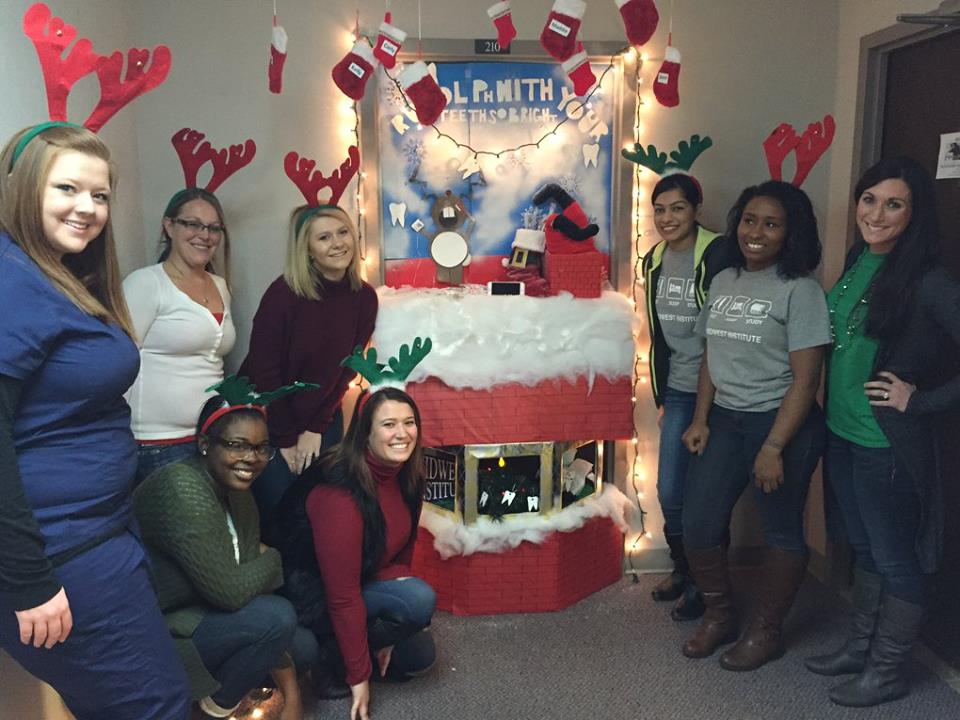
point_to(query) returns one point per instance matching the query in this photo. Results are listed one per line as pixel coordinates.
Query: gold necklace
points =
(205, 299)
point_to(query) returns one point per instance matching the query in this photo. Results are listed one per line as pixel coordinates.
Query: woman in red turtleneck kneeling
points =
(349, 524)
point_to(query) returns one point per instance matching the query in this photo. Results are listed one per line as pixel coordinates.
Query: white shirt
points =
(182, 347)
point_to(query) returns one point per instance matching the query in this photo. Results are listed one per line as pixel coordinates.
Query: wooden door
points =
(923, 101)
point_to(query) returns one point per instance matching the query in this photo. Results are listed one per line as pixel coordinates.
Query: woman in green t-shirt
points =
(893, 317)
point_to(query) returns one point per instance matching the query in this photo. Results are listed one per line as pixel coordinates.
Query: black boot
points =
(672, 586)
(388, 629)
(719, 623)
(852, 655)
(328, 676)
(884, 677)
(690, 606)
(783, 572)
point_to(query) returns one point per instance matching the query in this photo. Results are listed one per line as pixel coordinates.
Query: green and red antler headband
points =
(681, 159)
(239, 394)
(392, 374)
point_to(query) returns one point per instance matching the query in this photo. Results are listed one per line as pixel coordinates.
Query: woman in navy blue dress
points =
(76, 606)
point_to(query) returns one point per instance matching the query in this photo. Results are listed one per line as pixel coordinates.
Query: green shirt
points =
(850, 364)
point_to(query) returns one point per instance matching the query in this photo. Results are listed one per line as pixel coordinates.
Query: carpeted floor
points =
(616, 655)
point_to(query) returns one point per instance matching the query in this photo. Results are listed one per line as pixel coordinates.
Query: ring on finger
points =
(886, 395)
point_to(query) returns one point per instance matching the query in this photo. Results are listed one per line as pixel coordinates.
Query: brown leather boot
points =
(672, 587)
(719, 623)
(763, 640)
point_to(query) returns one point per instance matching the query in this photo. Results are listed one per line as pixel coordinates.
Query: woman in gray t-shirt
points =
(766, 328)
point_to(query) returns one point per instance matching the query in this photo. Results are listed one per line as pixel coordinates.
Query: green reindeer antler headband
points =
(239, 393)
(392, 374)
(680, 159)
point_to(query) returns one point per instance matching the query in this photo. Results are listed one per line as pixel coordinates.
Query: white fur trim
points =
(480, 340)
(453, 538)
(498, 9)
(413, 73)
(621, 3)
(574, 61)
(213, 710)
(672, 54)
(395, 384)
(393, 32)
(279, 38)
(365, 52)
(527, 239)
(570, 8)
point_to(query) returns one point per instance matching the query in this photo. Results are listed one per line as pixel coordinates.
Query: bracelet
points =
(773, 444)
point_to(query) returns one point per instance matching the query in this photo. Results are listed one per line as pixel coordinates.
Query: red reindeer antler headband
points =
(809, 147)
(195, 152)
(310, 182)
(51, 36)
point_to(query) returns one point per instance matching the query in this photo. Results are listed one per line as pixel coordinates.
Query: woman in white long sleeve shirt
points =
(181, 314)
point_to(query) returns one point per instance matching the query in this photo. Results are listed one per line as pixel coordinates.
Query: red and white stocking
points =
(640, 18)
(666, 87)
(503, 21)
(559, 36)
(351, 73)
(278, 55)
(577, 67)
(388, 43)
(427, 97)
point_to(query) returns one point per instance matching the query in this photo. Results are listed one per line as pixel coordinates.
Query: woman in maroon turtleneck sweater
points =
(360, 506)
(309, 319)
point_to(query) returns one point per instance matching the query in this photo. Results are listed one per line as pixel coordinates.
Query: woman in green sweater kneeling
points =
(213, 576)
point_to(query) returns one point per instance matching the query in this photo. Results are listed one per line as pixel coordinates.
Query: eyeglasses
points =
(195, 226)
(240, 448)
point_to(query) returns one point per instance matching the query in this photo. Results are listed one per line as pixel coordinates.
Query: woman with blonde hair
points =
(308, 320)
(76, 606)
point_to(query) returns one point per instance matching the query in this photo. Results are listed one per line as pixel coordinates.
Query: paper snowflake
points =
(532, 217)
(570, 183)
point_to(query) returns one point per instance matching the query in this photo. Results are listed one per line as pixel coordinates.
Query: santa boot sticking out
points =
(570, 231)
(640, 18)
(427, 97)
(666, 87)
(388, 43)
(502, 18)
(559, 36)
(351, 73)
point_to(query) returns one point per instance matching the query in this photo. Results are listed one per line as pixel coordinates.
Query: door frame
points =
(875, 52)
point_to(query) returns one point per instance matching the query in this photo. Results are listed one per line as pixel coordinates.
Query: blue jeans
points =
(717, 479)
(412, 601)
(268, 489)
(880, 510)
(674, 458)
(154, 457)
(119, 663)
(241, 648)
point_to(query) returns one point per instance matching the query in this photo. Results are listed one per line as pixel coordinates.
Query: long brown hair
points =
(352, 451)
(90, 279)
(173, 212)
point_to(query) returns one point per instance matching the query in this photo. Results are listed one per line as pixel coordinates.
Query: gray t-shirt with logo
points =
(752, 322)
(677, 311)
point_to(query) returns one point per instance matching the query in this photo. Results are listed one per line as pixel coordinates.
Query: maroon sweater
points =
(338, 542)
(298, 339)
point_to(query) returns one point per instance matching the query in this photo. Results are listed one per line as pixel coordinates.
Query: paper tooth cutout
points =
(399, 125)
(508, 496)
(484, 497)
(469, 166)
(533, 503)
(398, 214)
(590, 154)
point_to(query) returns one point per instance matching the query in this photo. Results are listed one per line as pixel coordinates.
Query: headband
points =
(309, 214)
(195, 152)
(681, 159)
(239, 393)
(32, 133)
(396, 371)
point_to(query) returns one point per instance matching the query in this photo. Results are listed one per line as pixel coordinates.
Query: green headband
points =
(174, 200)
(310, 213)
(32, 133)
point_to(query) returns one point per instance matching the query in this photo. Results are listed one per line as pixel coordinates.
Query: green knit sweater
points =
(183, 518)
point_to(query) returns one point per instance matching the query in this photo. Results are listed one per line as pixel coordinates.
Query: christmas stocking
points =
(503, 22)
(351, 73)
(559, 36)
(577, 67)
(666, 87)
(278, 55)
(640, 18)
(388, 43)
(427, 98)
